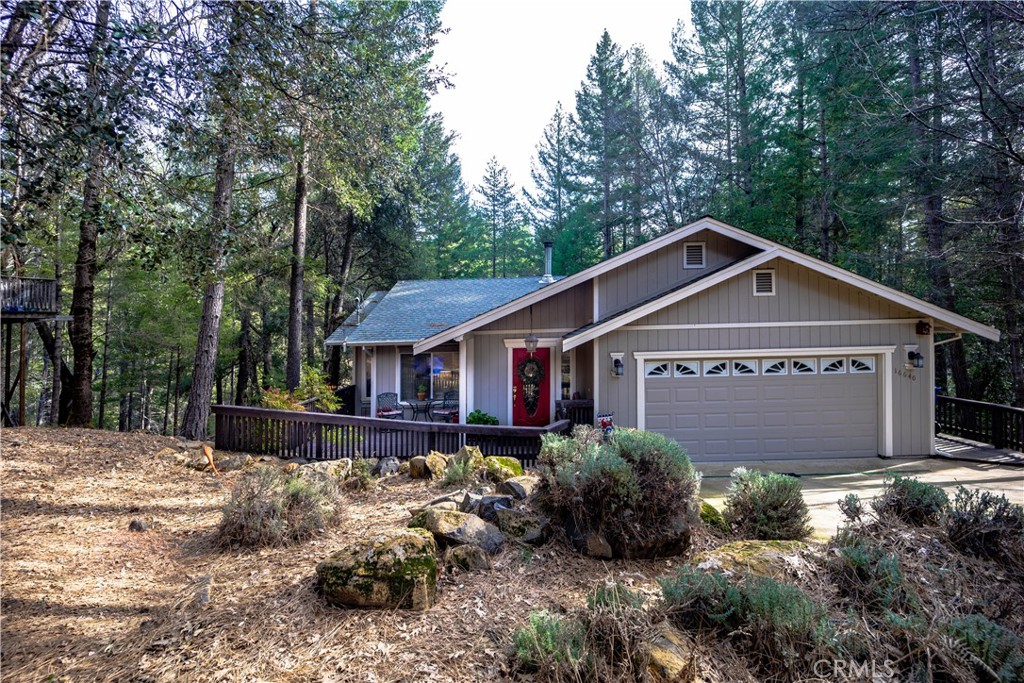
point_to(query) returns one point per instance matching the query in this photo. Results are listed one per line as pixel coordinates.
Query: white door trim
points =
(552, 343)
(885, 374)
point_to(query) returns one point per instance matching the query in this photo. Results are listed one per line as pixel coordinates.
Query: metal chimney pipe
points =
(548, 278)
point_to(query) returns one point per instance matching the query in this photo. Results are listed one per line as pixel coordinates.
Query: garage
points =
(726, 408)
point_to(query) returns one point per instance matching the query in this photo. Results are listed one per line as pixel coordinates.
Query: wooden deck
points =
(965, 449)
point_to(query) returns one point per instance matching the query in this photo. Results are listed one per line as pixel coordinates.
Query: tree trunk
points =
(49, 344)
(106, 355)
(347, 257)
(167, 394)
(82, 301)
(55, 387)
(293, 362)
(244, 359)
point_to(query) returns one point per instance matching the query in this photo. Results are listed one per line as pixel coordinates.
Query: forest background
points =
(217, 185)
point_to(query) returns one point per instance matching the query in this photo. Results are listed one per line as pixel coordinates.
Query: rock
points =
(394, 568)
(470, 502)
(403, 467)
(230, 463)
(467, 557)
(330, 468)
(418, 468)
(171, 455)
(482, 491)
(523, 526)
(385, 466)
(436, 465)
(299, 461)
(471, 453)
(713, 518)
(192, 445)
(519, 487)
(451, 528)
(671, 656)
(290, 467)
(443, 505)
(775, 559)
(500, 468)
(453, 497)
(137, 525)
(489, 505)
(594, 544)
(343, 468)
(203, 585)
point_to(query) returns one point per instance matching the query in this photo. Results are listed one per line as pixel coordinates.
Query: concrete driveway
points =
(825, 482)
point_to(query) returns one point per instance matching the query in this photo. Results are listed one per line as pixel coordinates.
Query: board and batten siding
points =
(802, 296)
(638, 280)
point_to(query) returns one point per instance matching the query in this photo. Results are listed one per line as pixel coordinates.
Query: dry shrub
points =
(911, 501)
(867, 573)
(635, 486)
(604, 641)
(766, 506)
(268, 507)
(984, 524)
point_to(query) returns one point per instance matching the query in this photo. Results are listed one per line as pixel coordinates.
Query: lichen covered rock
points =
(713, 518)
(519, 487)
(471, 453)
(451, 528)
(467, 557)
(671, 656)
(391, 569)
(418, 468)
(436, 463)
(523, 526)
(500, 468)
(775, 559)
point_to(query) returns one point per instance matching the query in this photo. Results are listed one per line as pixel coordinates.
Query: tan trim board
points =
(766, 353)
(793, 323)
(539, 332)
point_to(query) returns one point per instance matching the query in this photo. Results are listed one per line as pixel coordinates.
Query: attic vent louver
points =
(764, 283)
(693, 255)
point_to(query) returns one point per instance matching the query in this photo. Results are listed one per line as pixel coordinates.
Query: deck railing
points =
(28, 295)
(577, 412)
(991, 423)
(324, 436)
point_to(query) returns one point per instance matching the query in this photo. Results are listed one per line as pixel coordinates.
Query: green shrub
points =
(866, 573)
(479, 417)
(615, 597)
(458, 472)
(911, 501)
(782, 620)
(313, 384)
(852, 507)
(766, 506)
(549, 641)
(998, 650)
(636, 486)
(269, 507)
(987, 525)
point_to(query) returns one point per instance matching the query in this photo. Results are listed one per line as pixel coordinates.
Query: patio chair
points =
(387, 406)
(449, 409)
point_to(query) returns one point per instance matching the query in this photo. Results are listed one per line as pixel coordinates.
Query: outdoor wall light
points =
(618, 367)
(531, 342)
(914, 358)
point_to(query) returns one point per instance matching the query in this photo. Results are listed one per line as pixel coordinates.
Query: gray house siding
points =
(802, 296)
(637, 280)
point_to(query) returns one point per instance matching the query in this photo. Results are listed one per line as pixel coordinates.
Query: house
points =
(732, 344)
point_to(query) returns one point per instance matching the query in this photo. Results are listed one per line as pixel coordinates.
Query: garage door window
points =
(774, 366)
(805, 366)
(833, 366)
(656, 369)
(744, 367)
(687, 368)
(716, 368)
(862, 365)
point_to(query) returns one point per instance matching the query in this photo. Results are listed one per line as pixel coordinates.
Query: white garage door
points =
(723, 409)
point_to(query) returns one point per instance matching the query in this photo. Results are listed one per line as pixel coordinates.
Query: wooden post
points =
(177, 385)
(8, 387)
(22, 372)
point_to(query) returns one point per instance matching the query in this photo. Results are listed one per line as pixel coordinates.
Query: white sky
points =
(512, 61)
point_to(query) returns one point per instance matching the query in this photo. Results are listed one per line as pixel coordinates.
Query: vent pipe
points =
(548, 278)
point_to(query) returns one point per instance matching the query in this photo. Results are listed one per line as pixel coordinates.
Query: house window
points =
(833, 366)
(434, 373)
(805, 366)
(862, 365)
(744, 367)
(687, 368)
(566, 375)
(716, 368)
(764, 283)
(656, 369)
(694, 255)
(774, 366)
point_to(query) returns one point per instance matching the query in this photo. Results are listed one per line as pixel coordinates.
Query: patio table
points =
(422, 407)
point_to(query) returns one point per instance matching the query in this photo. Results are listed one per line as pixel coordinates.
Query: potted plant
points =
(421, 392)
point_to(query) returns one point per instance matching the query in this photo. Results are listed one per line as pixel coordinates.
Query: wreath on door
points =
(531, 374)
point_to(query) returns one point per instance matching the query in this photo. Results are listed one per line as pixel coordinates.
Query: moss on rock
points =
(774, 559)
(500, 467)
(395, 568)
(713, 518)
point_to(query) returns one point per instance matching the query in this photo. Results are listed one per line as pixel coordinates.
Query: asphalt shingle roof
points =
(340, 335)
(416, 309)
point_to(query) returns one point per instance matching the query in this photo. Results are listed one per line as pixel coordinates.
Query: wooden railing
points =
(28, 295)
(991, 423)
(577, 412)
(324, 436)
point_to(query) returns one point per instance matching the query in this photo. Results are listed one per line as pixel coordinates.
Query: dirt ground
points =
(85, 599)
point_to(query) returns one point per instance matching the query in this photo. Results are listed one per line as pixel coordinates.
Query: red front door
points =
(531, 388)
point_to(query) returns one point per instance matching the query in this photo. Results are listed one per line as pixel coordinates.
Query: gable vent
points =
(693, 255)
(764, 283)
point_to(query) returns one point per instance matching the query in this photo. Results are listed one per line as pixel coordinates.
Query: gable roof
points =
(340, 335)
(415, 309)
(953, 320)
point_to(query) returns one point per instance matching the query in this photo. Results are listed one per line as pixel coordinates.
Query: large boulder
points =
(451, 528)
(519, 487)
(471, 453)
(671, 656)
(523, 526)
(500, 468)
(386, 466)
(488, 506)
(390, 569)
(334, 468)
(436, 463)
(776, 559)
(467, 557)
(418, 468)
